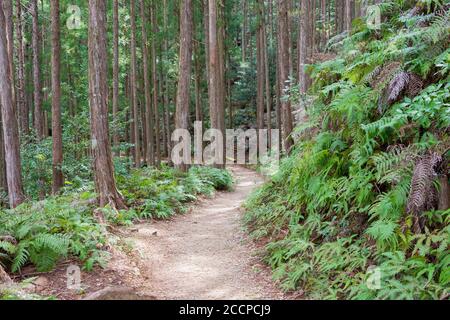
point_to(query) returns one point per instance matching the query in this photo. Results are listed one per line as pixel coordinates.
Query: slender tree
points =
(58, 179)
(348, 15)
(9, 121)
(182, 110)
(166, 114)
(157, 147)
(150, 156)
(244, 30)
(286, 113)
(260, 66)
(22, 110)
(98, 98)
(115, 99)
(38, 114)
(8, 11)
(133, 80)
(216, 106)
(197, 84)
(306, 44)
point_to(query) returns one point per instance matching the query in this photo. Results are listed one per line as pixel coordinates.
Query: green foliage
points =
(37, 159)
(46, 231)
(42, 233)
(338, 204)
(162, 193)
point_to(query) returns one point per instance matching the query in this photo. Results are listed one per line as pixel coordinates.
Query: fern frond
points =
(398, 84)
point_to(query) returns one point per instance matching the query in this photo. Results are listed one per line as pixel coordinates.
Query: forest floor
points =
(205, 254)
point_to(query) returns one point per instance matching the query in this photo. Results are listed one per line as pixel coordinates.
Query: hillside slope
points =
(360, 209)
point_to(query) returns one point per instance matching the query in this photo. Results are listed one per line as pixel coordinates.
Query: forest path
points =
(204, 254)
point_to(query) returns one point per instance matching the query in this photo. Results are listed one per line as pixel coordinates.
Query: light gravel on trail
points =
(204, 254)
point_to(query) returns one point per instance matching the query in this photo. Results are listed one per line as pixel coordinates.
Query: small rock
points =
(117, 293)
(41, 283)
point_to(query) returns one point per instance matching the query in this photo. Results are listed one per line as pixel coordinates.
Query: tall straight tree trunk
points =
(244, 30)
(306, 43)
(221, 83)
(38, 114)
(312, 21)
(198, 77)
(143, 113)
(260, 66)
(286, 112)
(150, 157)
(216, 105)
(3, 181)
(267, 83)
(22, 110)
(161, 84)
(8, 11)
(98, 97)
(213, 62)
(45, 78)
(182, 109)
(115, 99)
(206, 31)
(155, 84)
(339, 16)
(10, 129)
(166, 114)
(348, 15)
(323, 17)
(58, 179)
(133, 80)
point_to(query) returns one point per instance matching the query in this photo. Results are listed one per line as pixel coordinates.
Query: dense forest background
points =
(91, 92)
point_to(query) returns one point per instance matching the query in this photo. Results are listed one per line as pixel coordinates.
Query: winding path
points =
(205, 254)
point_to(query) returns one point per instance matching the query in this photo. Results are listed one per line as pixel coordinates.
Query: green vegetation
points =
(360, 190)
(44, 232)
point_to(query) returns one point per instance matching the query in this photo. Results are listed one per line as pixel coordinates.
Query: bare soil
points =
(205, 254)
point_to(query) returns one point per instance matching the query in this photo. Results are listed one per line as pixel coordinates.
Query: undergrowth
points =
(354, 211)
(42, 233)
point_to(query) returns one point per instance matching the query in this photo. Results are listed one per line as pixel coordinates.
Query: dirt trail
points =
(204, 254)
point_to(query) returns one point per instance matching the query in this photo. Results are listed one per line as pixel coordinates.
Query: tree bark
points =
(267, 83)
(8, 11)
(348, 15)
(339, 16)
(157, 147)
(22, 110)
(216, 105)
(38, 114)
(150, 157)
(244, 30)
(323, 10)
(260, 66)
(306, 44)
(182, 109)
(166, 114)
(98, 97)
(58, 179)
(10, 129)
(133, 80)
(286, 112)
(115, 99)
(198, 77)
